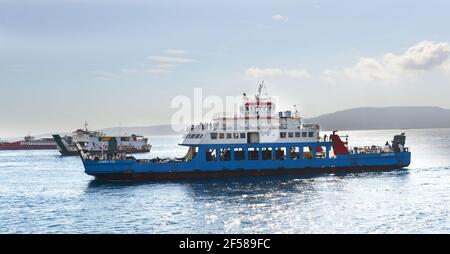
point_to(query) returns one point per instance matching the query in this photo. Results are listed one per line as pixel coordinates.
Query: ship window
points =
(201, 136)
(281, 153)
(310, 134)
(242, 135)
(267, 153)
(303, 134)
(197, 136)
(297, 134)
(321, 152)
(228, 135)
(213, 135)
(221, 135)
(290, 134)
(307, 153)
(210, 154)
(239, 154)
(294, 153)
(235, 135)
(282, 134)
(225, 154)
(253, 153)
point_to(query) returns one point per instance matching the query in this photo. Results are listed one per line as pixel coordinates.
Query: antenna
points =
(261, 85)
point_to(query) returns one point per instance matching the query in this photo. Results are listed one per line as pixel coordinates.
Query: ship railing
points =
(159, 160)
(370, 150)
(201, 127)
(233, 127)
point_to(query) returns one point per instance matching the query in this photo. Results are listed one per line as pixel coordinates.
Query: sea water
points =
(43, 192)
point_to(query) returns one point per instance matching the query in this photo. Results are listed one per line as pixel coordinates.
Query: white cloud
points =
(424, 56)
(176, 51)
(446, 67)
(279, 17)
(170, 59)
(158, 71)
(130, 71)
(165, 66)
(101, 75)
(300, 73)
(255, 72)
(161, 68)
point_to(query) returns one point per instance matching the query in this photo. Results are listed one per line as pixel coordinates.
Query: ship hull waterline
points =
(138, 171)
(161, 176)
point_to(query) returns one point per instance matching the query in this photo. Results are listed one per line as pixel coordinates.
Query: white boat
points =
(98, 142)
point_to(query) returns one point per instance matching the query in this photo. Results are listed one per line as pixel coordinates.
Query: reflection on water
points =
(43, 192)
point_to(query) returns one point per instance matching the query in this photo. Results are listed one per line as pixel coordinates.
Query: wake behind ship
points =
(255, 141)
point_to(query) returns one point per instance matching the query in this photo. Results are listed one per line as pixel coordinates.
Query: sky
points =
(114, 62)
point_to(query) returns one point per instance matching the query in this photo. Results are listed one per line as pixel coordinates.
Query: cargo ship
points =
(29, 143)
(98, 142)
(256, 141)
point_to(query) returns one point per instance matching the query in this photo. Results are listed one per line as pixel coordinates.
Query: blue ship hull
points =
(200, 166)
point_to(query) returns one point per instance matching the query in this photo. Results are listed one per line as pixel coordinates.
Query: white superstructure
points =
(256, 122)
(130, 144)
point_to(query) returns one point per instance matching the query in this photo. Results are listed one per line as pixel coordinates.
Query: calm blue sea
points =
(42, 192)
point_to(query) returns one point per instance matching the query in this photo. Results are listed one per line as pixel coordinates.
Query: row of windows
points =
(296, 134)
(194, 136)
(293, 153)
(215, 135)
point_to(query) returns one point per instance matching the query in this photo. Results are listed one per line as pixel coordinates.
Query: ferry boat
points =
(257, 141)
(29, 143)
(98, 142)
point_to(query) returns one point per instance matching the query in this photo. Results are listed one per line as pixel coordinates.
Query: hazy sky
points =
(116, 62)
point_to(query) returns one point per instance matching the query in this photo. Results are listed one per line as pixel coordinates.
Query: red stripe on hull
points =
(18, 146)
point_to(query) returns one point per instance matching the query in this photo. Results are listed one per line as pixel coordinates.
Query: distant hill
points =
(368, 118)
(384, 118)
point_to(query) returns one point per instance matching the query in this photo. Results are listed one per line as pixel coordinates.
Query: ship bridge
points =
(256, 122)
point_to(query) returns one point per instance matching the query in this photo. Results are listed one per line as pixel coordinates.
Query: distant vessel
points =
(98, 142)
(255, 141)
(29, 143)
